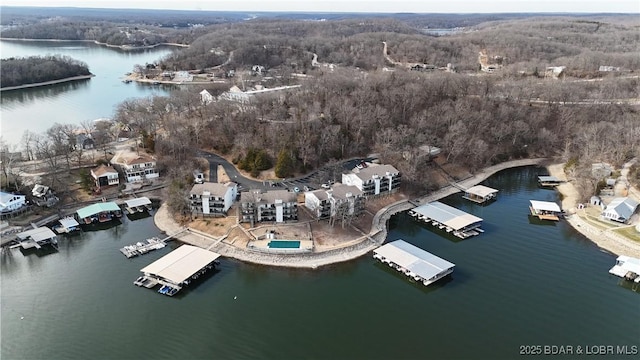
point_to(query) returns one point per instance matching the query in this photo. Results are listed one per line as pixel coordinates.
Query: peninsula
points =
(19, 73)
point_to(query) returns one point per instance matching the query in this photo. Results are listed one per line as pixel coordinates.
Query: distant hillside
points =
(36, 69)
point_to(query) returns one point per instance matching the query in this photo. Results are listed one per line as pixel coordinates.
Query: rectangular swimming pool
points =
(284, 244)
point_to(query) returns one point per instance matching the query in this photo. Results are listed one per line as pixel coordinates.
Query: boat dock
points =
(449, 219)
(480, 194)
(145, 246)
(142, 247)
(414, 262)
(67, 225)
(627, 268)
(177, 269)
(545, 210)
(140, 204)
(548, 181)
(37, 237)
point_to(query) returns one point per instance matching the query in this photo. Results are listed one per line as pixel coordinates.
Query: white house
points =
(206, 97)
(105, 175)
(374, 179)
(10, 202)
(620, 209)
(136, 168)
(318, 203)
(212, 198)
(275, 205)
(339, 200)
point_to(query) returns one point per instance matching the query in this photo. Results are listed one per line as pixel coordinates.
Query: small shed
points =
(595, 201)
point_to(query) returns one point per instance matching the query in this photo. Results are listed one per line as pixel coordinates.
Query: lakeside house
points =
(212, 198)
(374, 179)
(340, 200)
(11, 202)
(105, 175)
(205, 97)
(43, 196)
(620, 209)
(136, 168)
(274, 205)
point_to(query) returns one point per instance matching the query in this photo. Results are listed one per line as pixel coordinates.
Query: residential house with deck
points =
(620, 209)
(275, 205)
(10, 202)
(105, 175)
(374, 179)
(211, 199)
(136, 168)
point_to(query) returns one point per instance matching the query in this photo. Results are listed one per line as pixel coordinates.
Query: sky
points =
(390, 6)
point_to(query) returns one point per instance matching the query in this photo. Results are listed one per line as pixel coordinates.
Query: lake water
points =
(37, 109)
(518, 284)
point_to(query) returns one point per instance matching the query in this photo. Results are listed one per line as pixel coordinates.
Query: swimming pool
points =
(284, 244)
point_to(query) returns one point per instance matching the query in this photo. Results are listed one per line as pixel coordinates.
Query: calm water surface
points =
(37, 109)
(519, 283)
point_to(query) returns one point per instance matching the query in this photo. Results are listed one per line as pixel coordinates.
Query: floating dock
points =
(548, 181)
(414, 262)
(37, 237)
(480, 194)
(67, 225)
(627, 268)
(450, 219)
(136, 205)
(100, 212)
(545, 210)
(177, 269)
(142, 247)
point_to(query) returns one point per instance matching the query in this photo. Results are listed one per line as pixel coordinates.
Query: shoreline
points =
(121, 47)
(604, 239)
(364, 244)
(50, 82)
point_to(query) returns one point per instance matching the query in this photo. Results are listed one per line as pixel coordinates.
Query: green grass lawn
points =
(630, 233)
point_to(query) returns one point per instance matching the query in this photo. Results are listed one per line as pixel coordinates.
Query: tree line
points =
(36, 69)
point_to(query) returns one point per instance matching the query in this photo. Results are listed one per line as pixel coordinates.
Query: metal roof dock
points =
(548, 181)
(627, 267)
(450, 219)
(67, 225)
(545, 210)
(36, 238)
(95, 209)
(177, 268)
(137, 205)
(480, 194)
(414, 262)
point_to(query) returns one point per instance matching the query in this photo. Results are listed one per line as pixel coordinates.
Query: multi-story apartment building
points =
(340, 200)
(374, 179)
(275, 205)
(212, 198)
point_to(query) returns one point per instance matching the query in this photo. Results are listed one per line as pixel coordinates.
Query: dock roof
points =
(545, 206)
(37, 234)
(629, 263)
(481, 190)
(141, 201)
(414, 259)
(96, 209)
(447, 215)
(548, 179)
(68, 222)
(180, 264)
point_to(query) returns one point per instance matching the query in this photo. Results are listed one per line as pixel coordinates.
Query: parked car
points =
(296, 189)
(326, 186)
(306, 188)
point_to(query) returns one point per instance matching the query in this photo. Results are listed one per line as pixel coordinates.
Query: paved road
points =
(312, 180)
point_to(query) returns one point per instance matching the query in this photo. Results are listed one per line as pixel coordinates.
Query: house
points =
(136, 168)
(212, 198)
(105, 175)
(620, 209)
(206, 97)
(84, 142)
(43, 196)
(374, 179)
(554, 72)
(258, 70)
(275, 205)
(10, 202)
(340, 200)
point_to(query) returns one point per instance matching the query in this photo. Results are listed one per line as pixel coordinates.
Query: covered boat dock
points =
(67, 225)
(37, 237)
(414, 262)
(176, 269)
(450, 219)
(137, 205)
(548, 181)
(100, 212)
(627, 268)
(480, 194)
(545, 210)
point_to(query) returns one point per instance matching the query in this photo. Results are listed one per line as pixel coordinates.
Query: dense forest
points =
(370, 104)
(37, 69)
